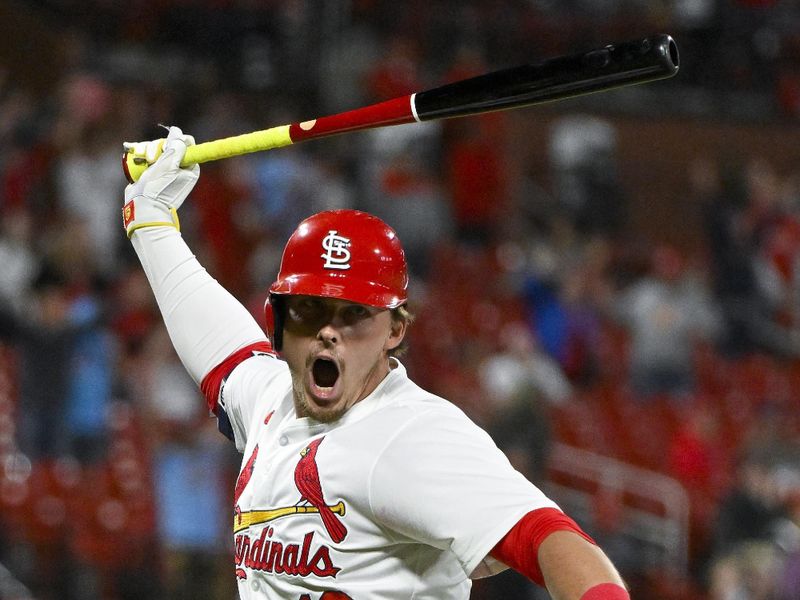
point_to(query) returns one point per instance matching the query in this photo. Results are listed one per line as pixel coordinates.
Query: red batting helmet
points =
(345, 254)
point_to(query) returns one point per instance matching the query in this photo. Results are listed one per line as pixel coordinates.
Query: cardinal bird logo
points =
(244, 478)
(306, 478)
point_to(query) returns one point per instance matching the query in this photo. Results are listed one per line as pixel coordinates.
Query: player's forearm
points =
(551, 549)
(574, 569)
(205, 322)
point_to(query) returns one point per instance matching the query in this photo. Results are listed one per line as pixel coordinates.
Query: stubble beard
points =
(304, 408)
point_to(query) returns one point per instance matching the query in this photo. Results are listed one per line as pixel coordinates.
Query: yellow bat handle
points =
(256, 141)
(266, 139)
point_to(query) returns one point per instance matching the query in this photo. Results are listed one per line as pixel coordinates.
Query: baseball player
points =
(355, 483)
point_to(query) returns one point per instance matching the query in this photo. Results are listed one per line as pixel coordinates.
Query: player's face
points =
(337, 352)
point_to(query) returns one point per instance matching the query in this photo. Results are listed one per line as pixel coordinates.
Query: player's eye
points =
(305, 309)
(353, 313)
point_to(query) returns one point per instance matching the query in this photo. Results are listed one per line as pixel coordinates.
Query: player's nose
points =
(328, 334)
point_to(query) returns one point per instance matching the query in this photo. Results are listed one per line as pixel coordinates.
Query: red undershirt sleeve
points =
(212, 382)
(519, 548)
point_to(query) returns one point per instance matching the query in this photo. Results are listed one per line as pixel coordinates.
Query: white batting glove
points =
(154, 200)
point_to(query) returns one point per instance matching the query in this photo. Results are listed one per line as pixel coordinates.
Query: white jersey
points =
(414, 494)
(402, 497)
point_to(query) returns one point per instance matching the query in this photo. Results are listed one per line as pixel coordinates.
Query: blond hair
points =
(403, 315)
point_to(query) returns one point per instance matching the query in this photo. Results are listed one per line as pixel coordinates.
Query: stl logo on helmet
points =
(336, 254)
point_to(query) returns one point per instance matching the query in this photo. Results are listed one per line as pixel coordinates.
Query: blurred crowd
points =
(541, 311)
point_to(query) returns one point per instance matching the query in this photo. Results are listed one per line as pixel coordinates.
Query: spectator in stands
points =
(738, 219)
(751, 509)
(666, 314)
(401, 187)
(286, 185)
(190, 494)
(788, 580)
(757, 536)
(520, 381)
(731, 246)
(44, 337)
(697, 456)
(91, 378)
(748, 572)
(583, 156)
(88, 167)
(192, 476)
(520, 364)
(20, 261)
(774, 201)
(564, 313)
(476, 176)
(132, 313)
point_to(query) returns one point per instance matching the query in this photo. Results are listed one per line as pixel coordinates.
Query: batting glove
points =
(154, 200)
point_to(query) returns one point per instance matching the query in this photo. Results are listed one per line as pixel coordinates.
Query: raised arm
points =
(206, 323)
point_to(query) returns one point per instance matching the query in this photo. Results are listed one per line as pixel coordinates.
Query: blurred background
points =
(609, 285)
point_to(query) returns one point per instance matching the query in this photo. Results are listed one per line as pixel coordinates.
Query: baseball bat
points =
(613, 66)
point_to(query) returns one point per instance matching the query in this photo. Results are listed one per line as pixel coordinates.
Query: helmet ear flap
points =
(273, 320)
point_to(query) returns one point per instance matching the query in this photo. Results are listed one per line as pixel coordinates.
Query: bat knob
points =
(133, 166)
(138, 156)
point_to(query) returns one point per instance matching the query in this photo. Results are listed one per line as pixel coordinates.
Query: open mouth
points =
(325, 373)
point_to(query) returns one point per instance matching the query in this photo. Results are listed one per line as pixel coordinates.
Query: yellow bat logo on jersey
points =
(243, 520)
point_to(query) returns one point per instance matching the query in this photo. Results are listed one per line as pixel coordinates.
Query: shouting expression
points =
(337, 351)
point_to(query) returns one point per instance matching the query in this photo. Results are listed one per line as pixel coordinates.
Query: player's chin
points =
(324, 402)
(324, 412)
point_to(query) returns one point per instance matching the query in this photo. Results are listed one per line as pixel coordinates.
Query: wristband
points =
(606, 591)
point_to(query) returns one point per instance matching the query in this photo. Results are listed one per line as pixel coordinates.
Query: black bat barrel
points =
(613, 66)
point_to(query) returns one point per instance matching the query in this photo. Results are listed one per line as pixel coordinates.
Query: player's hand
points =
(154, 199)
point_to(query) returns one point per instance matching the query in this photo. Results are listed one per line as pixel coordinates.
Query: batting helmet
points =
(344, 254)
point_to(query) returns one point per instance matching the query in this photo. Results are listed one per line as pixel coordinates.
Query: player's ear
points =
(397, 333)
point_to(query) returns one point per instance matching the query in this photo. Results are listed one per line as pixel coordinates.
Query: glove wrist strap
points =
(155, 216)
